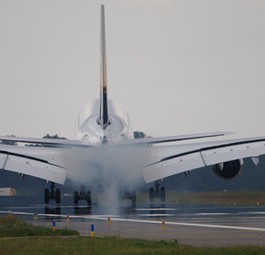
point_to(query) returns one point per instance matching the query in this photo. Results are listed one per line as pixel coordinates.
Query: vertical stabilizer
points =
(103, 119)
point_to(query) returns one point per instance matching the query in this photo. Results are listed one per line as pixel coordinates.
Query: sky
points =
(176, 66)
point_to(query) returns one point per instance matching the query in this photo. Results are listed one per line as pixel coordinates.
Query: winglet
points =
(103, 119)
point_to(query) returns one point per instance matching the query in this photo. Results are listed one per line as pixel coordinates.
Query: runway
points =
(192, 225)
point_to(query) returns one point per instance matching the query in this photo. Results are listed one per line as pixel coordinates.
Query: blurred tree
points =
(138, 134)
(56, 136)
(6, 142)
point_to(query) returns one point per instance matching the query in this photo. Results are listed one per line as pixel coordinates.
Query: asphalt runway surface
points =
(192, 225)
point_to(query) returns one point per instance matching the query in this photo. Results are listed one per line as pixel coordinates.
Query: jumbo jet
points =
(105, 143)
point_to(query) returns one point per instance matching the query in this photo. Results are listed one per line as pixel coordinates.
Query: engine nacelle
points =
(228, 170)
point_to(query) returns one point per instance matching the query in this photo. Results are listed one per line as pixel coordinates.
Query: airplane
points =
(105, 150)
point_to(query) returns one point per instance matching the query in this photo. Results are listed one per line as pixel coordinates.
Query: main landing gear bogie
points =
(82, 195)
(55, 194)
(157, 194)
(78, 196)
(52, 194)
(130, 197)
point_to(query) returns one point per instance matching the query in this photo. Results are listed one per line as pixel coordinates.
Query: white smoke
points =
(108, 170)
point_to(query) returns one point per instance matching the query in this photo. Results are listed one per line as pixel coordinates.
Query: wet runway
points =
(194, 225)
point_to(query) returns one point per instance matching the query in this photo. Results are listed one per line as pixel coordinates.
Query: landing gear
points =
(52, 194)
(129, 197)
(157, 194)
(82, 195)
(157, 198)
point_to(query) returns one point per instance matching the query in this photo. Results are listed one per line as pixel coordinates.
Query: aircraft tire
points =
(151, 194)
(46, 196)
(88, 198)
(133, 198)
(58, 196)
(163, 194)
(76, 198)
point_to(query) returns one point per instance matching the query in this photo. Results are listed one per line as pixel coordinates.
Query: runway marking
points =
(116, 218)
(185, 224)
(156, 209)
(153, 215)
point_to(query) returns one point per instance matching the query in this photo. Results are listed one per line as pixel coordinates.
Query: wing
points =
(44, 161)
(41, 158)
(171, 160)
(41, 162)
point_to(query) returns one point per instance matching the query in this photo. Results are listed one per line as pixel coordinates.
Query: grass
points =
(243, 198)
(12, 226)
(111, 245)
(21, 238)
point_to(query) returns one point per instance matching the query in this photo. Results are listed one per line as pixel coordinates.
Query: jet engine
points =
(229, 169)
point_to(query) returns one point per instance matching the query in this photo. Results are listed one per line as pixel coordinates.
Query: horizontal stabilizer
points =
(142, 141)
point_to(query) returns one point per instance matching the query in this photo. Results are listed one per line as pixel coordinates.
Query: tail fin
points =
(103, 119)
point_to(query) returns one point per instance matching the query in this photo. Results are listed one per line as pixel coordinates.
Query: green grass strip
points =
(12, 226)
(21, 238)
(111, 245)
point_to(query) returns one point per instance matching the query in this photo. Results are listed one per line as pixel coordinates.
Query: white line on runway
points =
(156, 209)
(186, 224)
(115, 218)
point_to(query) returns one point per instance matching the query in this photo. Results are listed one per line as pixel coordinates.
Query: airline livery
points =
(105, 143)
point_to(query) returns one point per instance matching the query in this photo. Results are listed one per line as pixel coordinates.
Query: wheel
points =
(88, 198)
(151, 194)
(133, 198)
(46, 196)
(58, 196)
(82, 195)
(58, 210)
(76, 198)
(163, 194)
